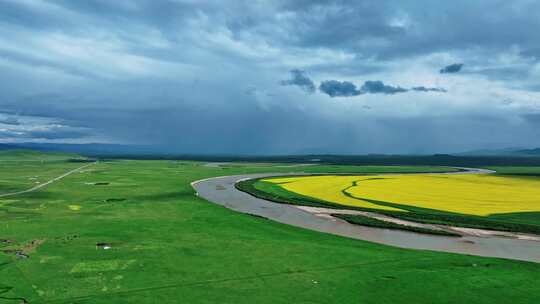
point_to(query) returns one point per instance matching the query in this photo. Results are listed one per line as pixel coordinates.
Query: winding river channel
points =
(221, 191)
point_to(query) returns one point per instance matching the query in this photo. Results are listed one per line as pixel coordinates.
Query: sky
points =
(272, 77)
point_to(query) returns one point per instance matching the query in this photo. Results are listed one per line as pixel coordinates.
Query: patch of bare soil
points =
(23, 251)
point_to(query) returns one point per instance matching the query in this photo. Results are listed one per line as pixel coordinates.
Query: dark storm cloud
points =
(531, 53)
(40, 62)
(424, 89)
(535, 87)
(9, 134)
(10, 121)
(83, 14)
(338, 24)
(453, 68)
(301, 80)
(174, 73)
(532, 118)
(402, 28)
(41, 127)
(334, 88)
(54, 133)
(378, 87)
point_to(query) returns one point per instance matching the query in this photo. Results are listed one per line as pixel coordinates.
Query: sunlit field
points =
(328, 188)
(167, 245)
(465, 194)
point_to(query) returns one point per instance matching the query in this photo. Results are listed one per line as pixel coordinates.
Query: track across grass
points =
(169, 246)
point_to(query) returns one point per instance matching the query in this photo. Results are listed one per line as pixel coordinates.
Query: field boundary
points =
(435, 221)
(47, 182)
(222, 191)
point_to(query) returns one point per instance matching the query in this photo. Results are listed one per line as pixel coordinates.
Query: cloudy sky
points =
(273, 77)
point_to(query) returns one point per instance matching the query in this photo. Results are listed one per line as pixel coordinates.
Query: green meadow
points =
(133, 231)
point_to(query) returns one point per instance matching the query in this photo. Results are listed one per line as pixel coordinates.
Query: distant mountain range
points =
(117, 149)
(87, 149)
(502, 152)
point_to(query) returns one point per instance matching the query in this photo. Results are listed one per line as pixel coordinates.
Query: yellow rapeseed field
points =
(460, 193)
(327, 188)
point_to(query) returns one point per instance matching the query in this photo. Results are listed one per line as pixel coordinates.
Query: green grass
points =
(375, 169)
(30, 155)
(516, 222)
(169, 246)
(24, 169)
(372, 222)
(516, 170)
(335, 169)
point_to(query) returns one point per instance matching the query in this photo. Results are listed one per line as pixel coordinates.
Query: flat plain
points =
(130, 231)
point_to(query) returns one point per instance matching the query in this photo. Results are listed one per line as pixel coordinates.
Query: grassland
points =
(517, 170)
(30, 155)
(372, 222)
(169, 246)
(23, 169)
(336, 169)
(345, 169)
